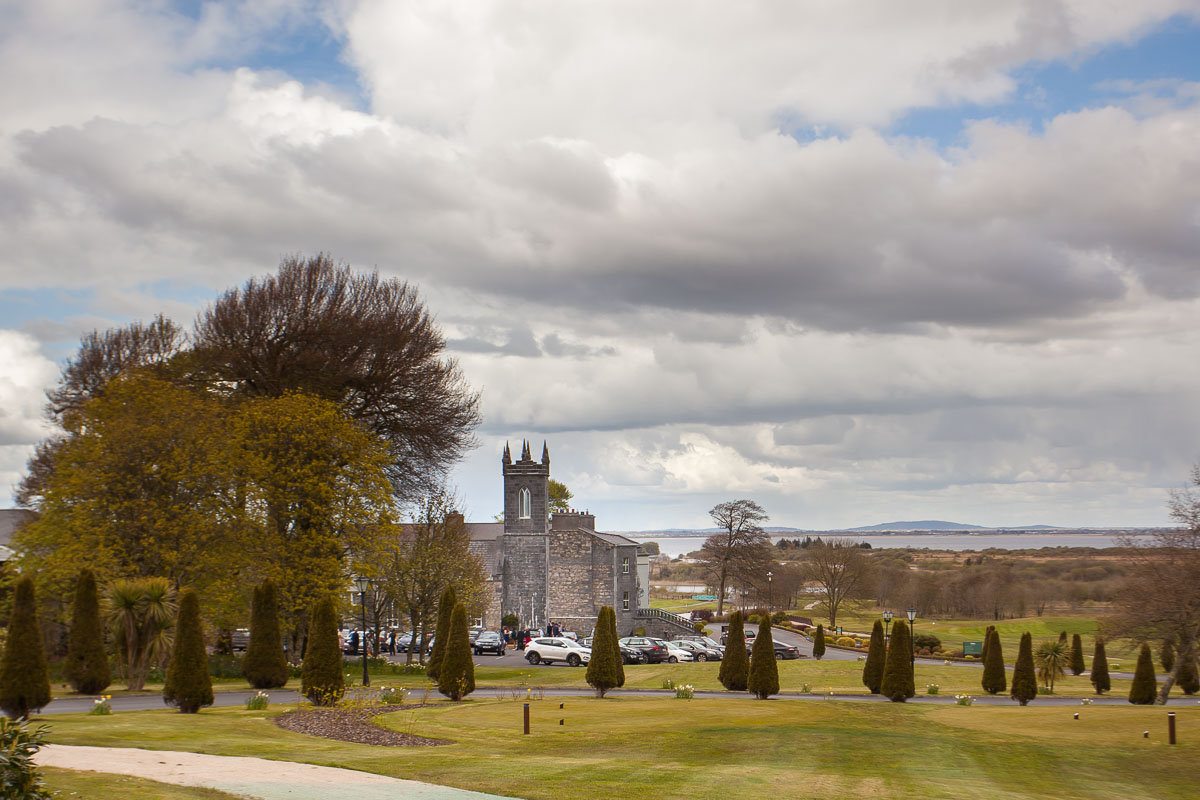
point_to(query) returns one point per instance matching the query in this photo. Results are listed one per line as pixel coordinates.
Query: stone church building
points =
(556, 567)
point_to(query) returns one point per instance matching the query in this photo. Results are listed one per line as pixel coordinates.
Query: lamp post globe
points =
(363, 585)
(770, 605)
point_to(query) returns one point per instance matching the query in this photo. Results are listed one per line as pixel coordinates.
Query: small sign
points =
(972, 648)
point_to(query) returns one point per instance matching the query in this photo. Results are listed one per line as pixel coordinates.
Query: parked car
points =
(629, 655)
(551, 649)
(782, 651)
(749, 634)
(490, 642)
(655, 653)
(703, 640)
(404, 642)
(239, 639)
(675, 653)
(473, 634)
(699, 651)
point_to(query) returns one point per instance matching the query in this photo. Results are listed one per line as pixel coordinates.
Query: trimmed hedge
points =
(265, 664)
(86, 667)
(735, 666)
(321, 678)
(188, 684)
(24, 676)
(445, 611)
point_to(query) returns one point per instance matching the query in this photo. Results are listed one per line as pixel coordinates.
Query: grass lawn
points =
(69, 783)
(844, 677)
(667, 748)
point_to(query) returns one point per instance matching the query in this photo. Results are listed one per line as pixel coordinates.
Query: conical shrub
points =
(1062, 637)
(86, 667)
(763, 680)
(872, 676)
(1144, 688)
(321, 679)
(24, 677)
(819, 642)
(1099, 678)
(188, 684)
(994, 680)
(735, 665)
(1188, 679)
(265, 664)
(456, 678)
(987, 641)
(898, 684)
(605, 670)
(1168, 655)
(1024, 681)
(445, 611)
(1077, 665)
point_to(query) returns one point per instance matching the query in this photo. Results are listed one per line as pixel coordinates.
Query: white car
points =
(675, 653)
(550, 649)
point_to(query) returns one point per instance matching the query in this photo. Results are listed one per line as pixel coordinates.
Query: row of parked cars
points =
(634, 650)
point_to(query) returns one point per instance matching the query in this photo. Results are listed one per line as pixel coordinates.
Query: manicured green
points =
(456, 678)
(605, 670)
(441, 633)
(898, 683)
(1077, 665)
(819, 642)
(735, 666)
(1099, 677)
(731, 748)
(74, 783)
(187, 684)
(321, 679)
(265, 664)
(763, 680)
(1024, 680)
(86, 665)
(872, 676)
(24, 677)
(995, 679)
(1144, 688)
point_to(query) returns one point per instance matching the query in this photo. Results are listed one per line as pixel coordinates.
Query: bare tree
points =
(365, 343)
(737, 548)
(841, 571)
(1161, 598)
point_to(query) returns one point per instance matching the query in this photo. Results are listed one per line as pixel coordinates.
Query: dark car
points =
(632, 656)
(783, 652)
(700, 652)
(488, 642)
(654, 653)
(404, 642)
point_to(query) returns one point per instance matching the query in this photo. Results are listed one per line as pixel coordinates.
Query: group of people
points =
(520, 638)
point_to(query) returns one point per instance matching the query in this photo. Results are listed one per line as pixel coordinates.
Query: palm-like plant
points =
(142, 612)
(1052, 658)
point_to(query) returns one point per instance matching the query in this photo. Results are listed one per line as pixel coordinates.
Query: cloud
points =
(24, 376)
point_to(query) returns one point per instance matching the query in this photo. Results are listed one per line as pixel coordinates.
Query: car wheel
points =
(701, 657)
(779, 656)
(533, 658)
(672, 660)
(572, 660)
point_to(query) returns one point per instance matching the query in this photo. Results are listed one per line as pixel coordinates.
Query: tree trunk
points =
(1184, 655)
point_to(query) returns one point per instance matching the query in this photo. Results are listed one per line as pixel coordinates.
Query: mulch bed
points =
(352, 725)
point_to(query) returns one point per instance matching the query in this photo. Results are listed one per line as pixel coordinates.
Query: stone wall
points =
(525, 578)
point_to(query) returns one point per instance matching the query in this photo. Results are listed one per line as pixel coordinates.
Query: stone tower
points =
(526, 543)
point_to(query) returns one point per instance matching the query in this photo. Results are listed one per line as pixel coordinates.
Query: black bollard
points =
(527, 719)
(1171, 727)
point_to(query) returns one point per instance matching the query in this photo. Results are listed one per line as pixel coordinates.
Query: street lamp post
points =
(363, 584)
(887, 626)
(770, 605)
(912, 623)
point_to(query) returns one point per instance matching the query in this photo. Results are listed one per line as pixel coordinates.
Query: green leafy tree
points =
(188, 684)
(321, 679)
(1187, 677)
(19, 776)
(441, 635)
(456, 678)
(24, 676)
(735, 666)
(141, 613)
(1077, 665)
(1099, 678)
(1144, 689)
(265, 664)
(819, 642)
(1051, 660)
(898, 684)
(1024, 680)
(995, 680)
(763, 680)
(605, 670)
(1168, 655)
(872, 676)
(560, 496)
(86, 666)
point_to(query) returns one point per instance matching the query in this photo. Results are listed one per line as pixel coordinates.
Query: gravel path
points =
(248, 777)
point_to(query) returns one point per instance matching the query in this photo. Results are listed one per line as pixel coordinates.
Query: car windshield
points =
(488, 636)
(574, 644)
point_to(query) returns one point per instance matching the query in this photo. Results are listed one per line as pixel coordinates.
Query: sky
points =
(858, 262)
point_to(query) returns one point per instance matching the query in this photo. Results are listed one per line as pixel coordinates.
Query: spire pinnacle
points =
(545, 453)
(507, 458)
(525, 454)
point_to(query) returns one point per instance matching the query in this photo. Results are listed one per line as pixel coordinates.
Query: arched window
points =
(525, 505)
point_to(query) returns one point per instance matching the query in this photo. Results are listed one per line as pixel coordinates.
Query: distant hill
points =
(920, 525)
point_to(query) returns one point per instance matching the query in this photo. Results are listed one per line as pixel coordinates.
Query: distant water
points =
(682, 545)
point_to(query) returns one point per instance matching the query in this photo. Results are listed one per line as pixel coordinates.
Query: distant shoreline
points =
(788, 534)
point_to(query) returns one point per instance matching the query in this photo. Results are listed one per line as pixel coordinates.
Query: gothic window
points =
(525, 504)
(625, 565)
(625, 601)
